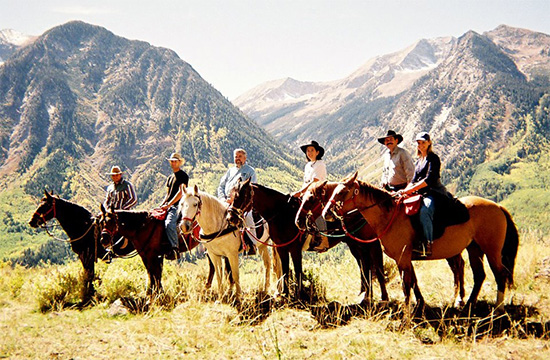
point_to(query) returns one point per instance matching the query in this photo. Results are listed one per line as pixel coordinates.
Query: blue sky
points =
(236, 45)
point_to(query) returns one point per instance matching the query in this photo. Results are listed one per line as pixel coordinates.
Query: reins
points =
(46, 227)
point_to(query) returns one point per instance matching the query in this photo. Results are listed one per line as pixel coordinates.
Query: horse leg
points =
(298, 274)
(234, 262)
(377, 266)
(153, 264)
(456, 263)
(285, 266)
(88, 264)
(211, 272)
(364, 268)
(278, 270)
(475, 254)
(264, 253)
(228, 271)
(409, 282)
(217, 262)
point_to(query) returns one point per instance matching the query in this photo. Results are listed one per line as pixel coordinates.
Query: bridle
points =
(44, 225)
(339, 205)
(111, 233)
(42, 216)
(240, 211)
(197, 213)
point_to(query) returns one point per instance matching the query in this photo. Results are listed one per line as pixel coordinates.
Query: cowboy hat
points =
(392, 134)
(115, 170)
(175, 157)
(317, 147)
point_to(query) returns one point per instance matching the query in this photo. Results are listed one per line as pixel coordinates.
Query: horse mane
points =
(74, 209)
(132, 219)
(376, 194)
(278, 197)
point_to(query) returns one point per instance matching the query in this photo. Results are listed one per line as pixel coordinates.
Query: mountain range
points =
(78, 99)
(482, 97)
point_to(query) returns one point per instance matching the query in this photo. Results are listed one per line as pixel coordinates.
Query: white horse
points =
(216, 235)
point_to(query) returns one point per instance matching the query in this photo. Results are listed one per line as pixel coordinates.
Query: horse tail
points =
(510, 248)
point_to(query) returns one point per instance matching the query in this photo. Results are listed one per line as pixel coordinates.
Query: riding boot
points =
(323, 246)
(427, 248)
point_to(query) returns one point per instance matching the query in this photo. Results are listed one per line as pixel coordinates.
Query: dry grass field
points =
(37, 320)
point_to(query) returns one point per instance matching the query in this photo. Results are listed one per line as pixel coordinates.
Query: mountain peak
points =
(14, 37)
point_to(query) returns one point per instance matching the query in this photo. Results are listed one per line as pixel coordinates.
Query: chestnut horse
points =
(489, 231)
(313, 202)
(83, 231)
(279, 210)
(146, 234)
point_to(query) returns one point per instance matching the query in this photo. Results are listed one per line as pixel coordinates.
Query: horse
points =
(82, 229)
(313, 203)
(146, 234)
(489, 231)
(220, 239)
(279, 210)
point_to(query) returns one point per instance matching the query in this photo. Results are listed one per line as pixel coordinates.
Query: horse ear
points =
(351, 180)
(103, 211)
(46, 194)
(247, 181)
(196, 190)
(112, 208)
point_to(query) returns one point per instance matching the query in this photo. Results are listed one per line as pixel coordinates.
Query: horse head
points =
(242, 202)
(109, 225)
(45, 211)
(342, 197)
(311, 206)
(189, 208)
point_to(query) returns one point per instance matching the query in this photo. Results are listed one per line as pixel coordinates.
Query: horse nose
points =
(185, 226)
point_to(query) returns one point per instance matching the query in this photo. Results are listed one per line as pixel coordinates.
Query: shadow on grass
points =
(444, 322)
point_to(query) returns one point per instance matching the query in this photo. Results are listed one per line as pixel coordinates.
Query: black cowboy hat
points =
(317, 147)
(393, 134)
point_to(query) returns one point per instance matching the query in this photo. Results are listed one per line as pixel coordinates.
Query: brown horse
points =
(83, 231)
(146, 234)
(489, 231)
(279, 210)
(313, 202)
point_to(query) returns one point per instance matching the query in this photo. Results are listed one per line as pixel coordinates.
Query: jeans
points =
(426, 217)
(170, 224)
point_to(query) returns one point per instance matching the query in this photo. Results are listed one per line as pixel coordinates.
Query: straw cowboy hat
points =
(392, 134)
(115, 170)
(175, 157)
(317, 147)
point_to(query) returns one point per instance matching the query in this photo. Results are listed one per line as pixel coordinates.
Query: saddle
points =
(448, 211)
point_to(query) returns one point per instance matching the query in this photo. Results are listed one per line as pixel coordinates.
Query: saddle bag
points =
(159, 214)
(412, 204)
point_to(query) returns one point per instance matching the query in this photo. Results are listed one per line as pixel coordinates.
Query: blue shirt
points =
(231, 178)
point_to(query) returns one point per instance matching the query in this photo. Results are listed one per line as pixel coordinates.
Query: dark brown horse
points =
(279, 210)
(489, 231)
(146, 234)
(81, 228)
(313, 203)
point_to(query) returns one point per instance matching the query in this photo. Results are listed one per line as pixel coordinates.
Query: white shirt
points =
(315, 170)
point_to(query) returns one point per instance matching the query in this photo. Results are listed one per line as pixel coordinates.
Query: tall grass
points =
(193, 322)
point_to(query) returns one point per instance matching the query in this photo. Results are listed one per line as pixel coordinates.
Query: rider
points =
(176, 185)
(398, 165)
(315, 170)
(120, 196)
(427, 181)
(241, 171)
